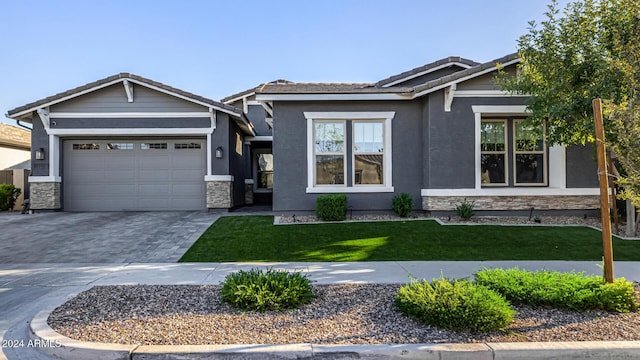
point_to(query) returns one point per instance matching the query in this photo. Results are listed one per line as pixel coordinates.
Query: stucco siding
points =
(39, 139)
(485, 82)
(114, 99)
(237, 164)
(582, 169)
(290, 154)
(256, 115)
(430, 76)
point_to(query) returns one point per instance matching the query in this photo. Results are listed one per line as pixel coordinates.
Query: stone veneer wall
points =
(561, 202)
(219, 194)
(44, 196)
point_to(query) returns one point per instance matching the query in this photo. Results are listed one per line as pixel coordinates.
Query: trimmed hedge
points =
(455, 305)
(270, 290)
(332, 207)
(402, 204)
(574, 291)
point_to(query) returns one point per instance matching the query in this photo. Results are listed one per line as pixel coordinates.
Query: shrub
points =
(8, 196)
(456, 305)
(332, 207)
(270, 290)
(402, 204)
(574, 291)
(465, 209)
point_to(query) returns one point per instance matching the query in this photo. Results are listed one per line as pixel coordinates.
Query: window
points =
(515, 142)
(329, 153)
(368, 152)
(187, 146)
(493, 152)
(239, 144)
(265, 171)
(349, 151)
(119, 146)
(529, 154)
(86, 146)
(157, 146)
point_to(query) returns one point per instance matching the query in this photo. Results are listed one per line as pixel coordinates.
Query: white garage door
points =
(134, 175)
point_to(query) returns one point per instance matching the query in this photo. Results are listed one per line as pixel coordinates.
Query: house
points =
(15, 146)
(443, 132)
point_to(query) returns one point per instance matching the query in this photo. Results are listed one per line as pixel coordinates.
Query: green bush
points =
(8, 196)
(332, 207)
(465, 209)
(574, 291)
(456, 305)
(270, 290)
(402, 204)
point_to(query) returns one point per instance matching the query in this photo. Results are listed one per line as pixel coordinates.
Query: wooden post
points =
(604, 191)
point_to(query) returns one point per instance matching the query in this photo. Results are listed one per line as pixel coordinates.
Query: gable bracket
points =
(128, 88)
(449, 93)
(214, 119)
(44, 117)
(267, 107)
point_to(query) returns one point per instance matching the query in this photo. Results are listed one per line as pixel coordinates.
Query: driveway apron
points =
(99, 237)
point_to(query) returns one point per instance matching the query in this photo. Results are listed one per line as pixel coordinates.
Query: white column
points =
(478, 179)
(558, 167)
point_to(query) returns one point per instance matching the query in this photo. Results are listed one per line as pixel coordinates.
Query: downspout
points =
(23, 126)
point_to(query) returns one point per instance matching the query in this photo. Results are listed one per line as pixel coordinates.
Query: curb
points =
(63, 347)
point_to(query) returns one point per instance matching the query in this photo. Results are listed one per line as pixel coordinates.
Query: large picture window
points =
(514, 142)
(350, 151)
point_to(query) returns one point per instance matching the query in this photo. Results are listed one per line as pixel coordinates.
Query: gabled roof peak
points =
(427, 68)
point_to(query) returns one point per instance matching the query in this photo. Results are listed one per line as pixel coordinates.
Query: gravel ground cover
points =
(340, 314)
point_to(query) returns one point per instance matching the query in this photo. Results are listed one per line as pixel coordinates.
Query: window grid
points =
(368, 151)
(530, 146)
(119, 146)
(154, 146)
(86, 146)
(331, 150)
(488, 151)
(183, 146)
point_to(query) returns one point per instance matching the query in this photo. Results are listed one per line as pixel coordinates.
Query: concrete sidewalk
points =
(27, 290)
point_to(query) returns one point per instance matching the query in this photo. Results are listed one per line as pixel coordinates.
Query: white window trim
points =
(386, 116)
(353, 152)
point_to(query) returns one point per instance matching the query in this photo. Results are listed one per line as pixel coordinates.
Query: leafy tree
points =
(590, 51)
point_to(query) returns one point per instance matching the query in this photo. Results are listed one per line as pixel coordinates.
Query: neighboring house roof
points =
(25, 110)
(399, 92)
(424, 69)
(15, 137)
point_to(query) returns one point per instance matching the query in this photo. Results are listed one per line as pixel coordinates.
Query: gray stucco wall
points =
(430, 76)
(114, 99)
(256, 115)
(237, 166)
(220, 138)
(582, 168)
(290, 154)
(39, 139)
(82, 123)
(451, 141)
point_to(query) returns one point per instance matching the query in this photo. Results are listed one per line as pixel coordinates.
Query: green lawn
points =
(255, 238)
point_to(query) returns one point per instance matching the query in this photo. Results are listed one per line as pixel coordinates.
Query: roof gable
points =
(115, 79)
(450, 62)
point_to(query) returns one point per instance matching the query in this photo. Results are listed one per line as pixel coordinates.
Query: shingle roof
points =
(89, 86)
(253, 89)
(328, 88)
(450, 60)
(465, 73)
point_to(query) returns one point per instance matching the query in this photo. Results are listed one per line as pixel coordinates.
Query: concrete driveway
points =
(100, 237)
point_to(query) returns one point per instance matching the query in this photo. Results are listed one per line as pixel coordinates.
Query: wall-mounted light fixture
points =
(219, 152)
(40, 154)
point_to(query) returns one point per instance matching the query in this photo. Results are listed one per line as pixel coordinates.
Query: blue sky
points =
(217, 48)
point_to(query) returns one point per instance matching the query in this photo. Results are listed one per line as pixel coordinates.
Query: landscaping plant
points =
(465, 209)
(575, 291)
(8, 196)
(402, 204)
(270, 290)
(332, 207)
(455, 305)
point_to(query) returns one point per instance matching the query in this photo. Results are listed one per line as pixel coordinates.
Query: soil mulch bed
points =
(340, 314)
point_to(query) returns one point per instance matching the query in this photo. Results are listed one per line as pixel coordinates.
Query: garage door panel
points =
(133, 179)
